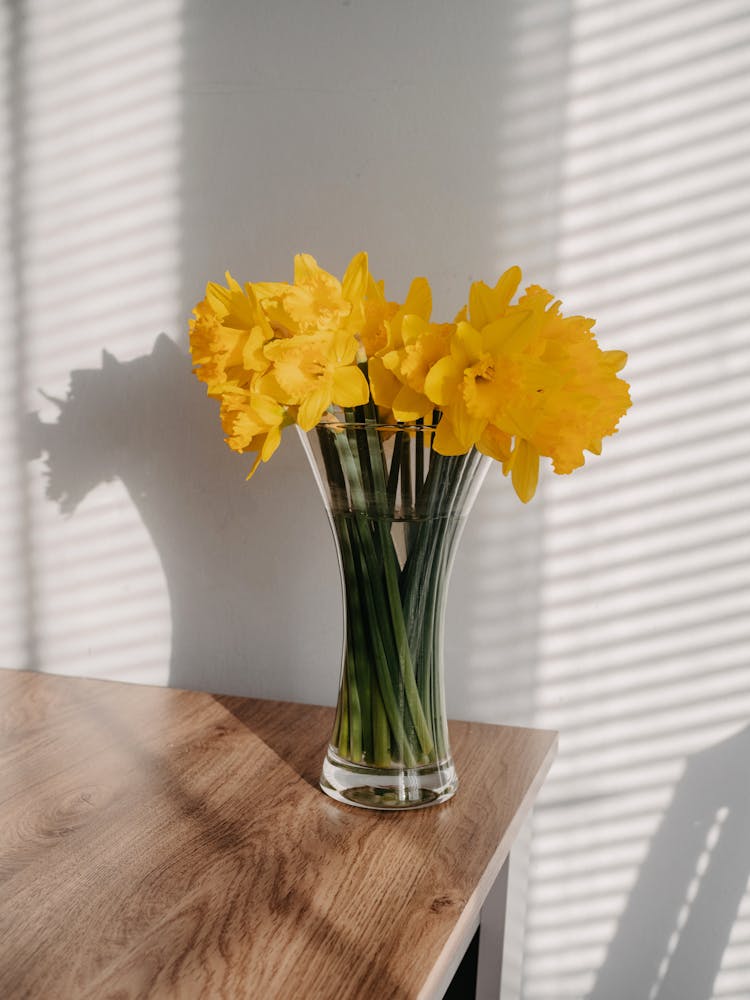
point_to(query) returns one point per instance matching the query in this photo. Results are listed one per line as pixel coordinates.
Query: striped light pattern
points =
(640, 863)
(93, 136)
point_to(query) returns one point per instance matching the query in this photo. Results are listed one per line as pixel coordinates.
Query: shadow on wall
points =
(225, 546)
(675, 928)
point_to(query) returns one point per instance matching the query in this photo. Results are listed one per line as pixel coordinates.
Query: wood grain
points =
(162, 843)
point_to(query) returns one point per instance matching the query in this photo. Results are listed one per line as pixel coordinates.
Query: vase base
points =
(388, 789)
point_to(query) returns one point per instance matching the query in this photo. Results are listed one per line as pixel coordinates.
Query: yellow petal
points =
(495, 443)
(260, 317)
(256, 465)
(523, 333)
(445, 441)
(488, 304)
(392, 361)
(313, 407)
(443, 381)
(253, 358)
(218, 297)
(410, 405)
(306, 269)
(467, 428)
(354, 283)
(345, 346)
(466, 345)
(272, 442)
(511, 333)
(269, 385)
(269, 289)
(419, 299)
(383, 384)
(614, 360)
(268, 409)
(375, 289)
(350, 387)
(412, 328)
(524, 470)
(507, 285)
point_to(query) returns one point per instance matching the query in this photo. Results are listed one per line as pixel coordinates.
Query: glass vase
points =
(397, 510)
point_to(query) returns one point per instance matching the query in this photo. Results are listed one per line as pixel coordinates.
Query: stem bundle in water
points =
(397, 509)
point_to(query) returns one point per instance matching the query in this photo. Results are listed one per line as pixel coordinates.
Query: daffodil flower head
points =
(522, 381)
(517, 380)
(316, 300)
(315, 371)
(403, 340)
(227, 336)
(253, 422)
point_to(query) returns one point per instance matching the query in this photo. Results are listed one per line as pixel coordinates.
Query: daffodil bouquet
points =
(406, 412)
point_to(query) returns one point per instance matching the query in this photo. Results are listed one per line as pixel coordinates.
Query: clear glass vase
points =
(397, 510)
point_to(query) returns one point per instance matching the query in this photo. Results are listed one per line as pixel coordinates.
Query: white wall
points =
(148, 146)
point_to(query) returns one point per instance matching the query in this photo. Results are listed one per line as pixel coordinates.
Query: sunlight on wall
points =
(645, 624)
(13, 606)
(503, 544)
(97, 88)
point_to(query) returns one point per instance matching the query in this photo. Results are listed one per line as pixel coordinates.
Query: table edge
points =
(444, 968)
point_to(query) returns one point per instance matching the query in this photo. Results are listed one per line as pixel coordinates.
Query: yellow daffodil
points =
(516, 381)
(400, 328)
(381, 327)
(210, 344)
(317, 300)
(523, 381)
(314, 371)
(253, 422)
(377, 313)
(423, 345)
(227, 336)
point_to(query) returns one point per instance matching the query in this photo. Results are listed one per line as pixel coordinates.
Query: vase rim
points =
(336, 424)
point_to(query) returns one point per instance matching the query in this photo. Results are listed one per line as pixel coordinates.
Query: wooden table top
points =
(165, 843)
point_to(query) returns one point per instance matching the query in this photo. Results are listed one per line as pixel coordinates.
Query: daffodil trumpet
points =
(401, 416)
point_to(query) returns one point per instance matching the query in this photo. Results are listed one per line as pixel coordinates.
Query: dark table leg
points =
(479, 974)
(464, 983)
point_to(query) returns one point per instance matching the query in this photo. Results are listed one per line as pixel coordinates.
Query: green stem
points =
(382, 750)
(355, 711)
(391, 703)
(392, 484)
(393, 589)
(406, 498)
(343, 740)
(356, 675)
(425, 578)
(388, 613)
(419, 460)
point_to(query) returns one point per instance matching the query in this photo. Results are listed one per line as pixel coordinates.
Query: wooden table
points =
(163, 843)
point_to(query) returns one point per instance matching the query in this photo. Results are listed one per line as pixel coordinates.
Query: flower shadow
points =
(224, 546)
